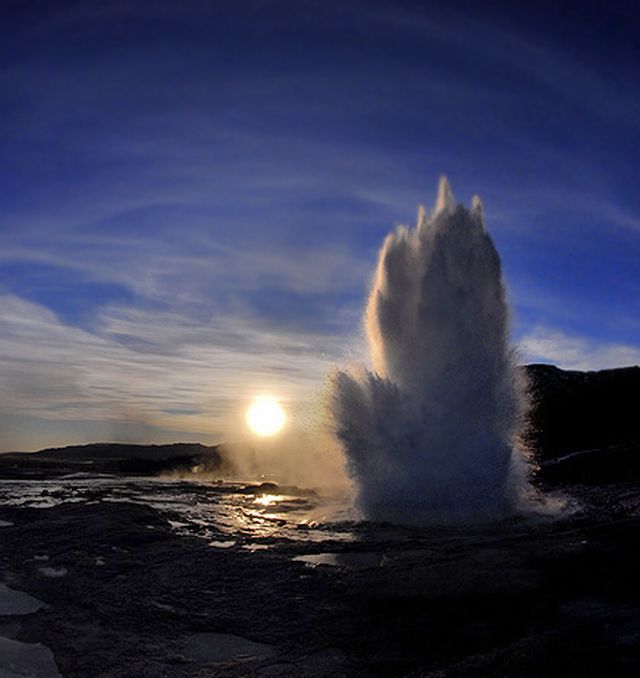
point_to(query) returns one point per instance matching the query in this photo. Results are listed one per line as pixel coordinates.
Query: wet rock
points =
(220, 648)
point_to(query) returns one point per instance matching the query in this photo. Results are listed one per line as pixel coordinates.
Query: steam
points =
(430, 434)
(303, 455)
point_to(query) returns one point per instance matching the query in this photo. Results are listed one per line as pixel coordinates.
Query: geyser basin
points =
(430, 434)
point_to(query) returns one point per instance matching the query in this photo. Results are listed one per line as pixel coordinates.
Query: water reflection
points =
(213, 511)
(267, 499)
(356, 560)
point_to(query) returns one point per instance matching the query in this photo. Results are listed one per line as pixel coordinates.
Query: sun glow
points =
(265, 416)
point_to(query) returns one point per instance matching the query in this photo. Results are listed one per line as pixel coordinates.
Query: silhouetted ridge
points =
(114, 458)
(572, 411)
(125, 451)
(584, 426)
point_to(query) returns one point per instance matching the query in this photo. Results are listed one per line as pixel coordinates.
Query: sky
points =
(194, 194)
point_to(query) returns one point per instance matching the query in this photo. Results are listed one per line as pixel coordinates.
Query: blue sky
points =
(194, 193)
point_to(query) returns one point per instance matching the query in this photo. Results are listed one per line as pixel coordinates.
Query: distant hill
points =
(104, 451)
(574, 410)
(114, 458)
(585, 425)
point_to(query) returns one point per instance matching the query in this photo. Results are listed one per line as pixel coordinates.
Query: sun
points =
(265, 416)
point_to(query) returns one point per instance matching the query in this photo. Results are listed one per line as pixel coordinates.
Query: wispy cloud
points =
(547, 345)
(189, 214)
(160, 369)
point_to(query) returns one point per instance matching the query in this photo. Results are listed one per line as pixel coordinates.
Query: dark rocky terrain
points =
(574, 411)
(128, 594)
(557, 598)
(585, 426)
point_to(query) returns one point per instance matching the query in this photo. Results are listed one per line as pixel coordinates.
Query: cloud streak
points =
(160, 369)
(544, 344)
(209, 201)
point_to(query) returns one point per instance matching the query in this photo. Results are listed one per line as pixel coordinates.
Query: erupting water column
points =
(430, 434)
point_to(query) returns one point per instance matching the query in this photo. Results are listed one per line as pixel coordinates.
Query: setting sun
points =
(265, 416)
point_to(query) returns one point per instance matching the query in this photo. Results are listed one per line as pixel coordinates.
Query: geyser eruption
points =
(430, 434)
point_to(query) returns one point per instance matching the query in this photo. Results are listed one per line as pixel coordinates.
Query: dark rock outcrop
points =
(574, 411)
(585, 426)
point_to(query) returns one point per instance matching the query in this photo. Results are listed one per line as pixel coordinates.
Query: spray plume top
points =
(445, 200)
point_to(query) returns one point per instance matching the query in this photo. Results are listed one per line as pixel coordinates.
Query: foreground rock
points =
(521, 598)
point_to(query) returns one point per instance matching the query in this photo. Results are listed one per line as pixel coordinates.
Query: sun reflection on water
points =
(267, 499)
(217, 511)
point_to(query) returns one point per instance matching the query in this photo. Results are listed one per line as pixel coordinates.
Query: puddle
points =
(5, 523)
(26, 659)
(251, 511)
(358, 561)
(222, 544)
(212, 648)
(53, 572)
(17, 602)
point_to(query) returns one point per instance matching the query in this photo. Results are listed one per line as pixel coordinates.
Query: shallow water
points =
(311, 527)
(249, 512)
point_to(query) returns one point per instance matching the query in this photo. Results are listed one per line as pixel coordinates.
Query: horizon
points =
(230, 443)
(195, 196)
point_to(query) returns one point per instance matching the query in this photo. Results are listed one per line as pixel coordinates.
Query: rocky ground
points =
(128, 596)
